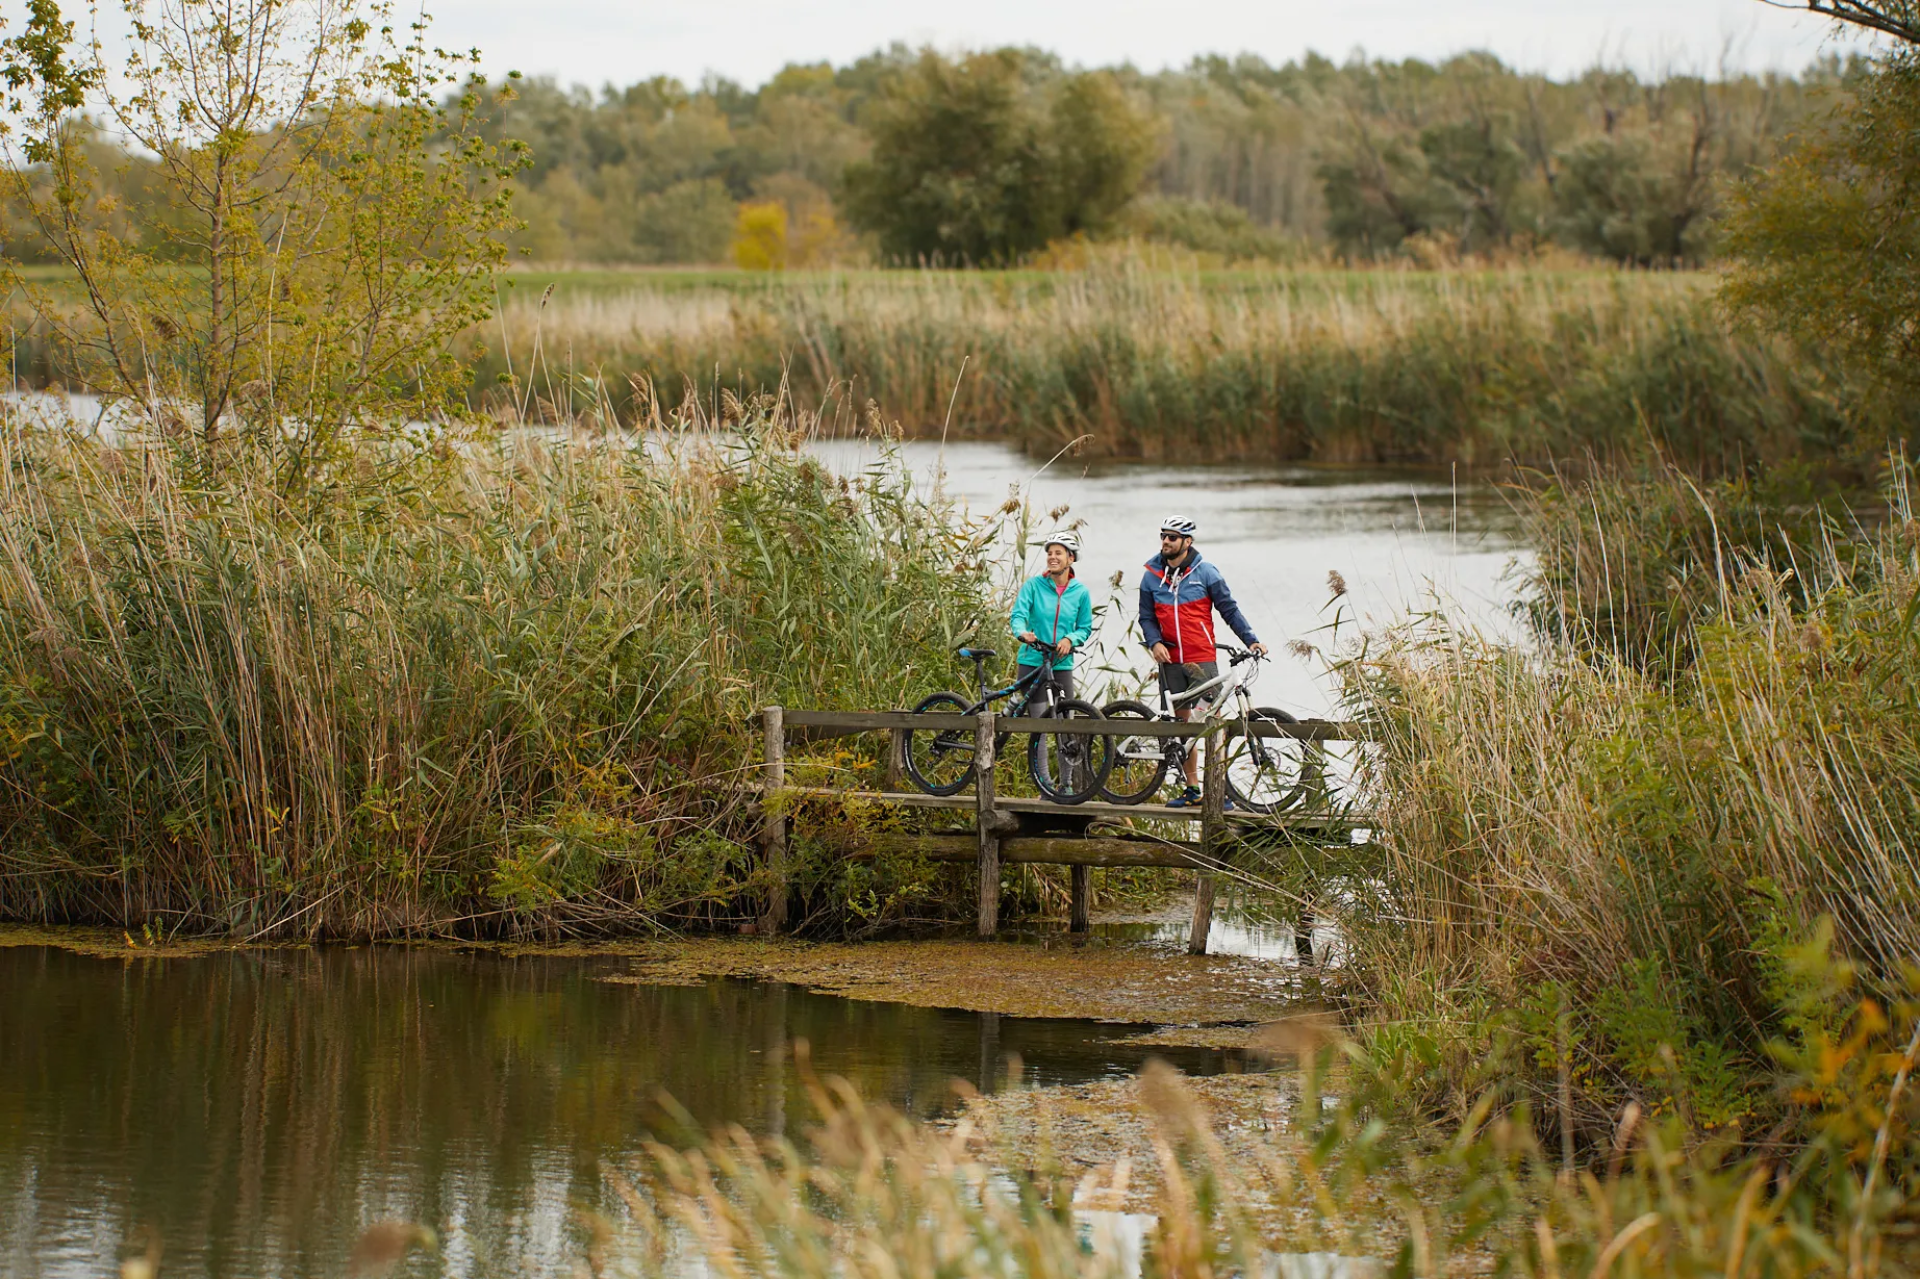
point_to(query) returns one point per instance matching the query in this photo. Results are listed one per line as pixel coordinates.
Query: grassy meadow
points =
(1135, 356)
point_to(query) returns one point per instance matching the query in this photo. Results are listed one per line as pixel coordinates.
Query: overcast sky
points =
(620, 41)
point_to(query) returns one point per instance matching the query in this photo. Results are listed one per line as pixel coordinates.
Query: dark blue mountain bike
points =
(1069, 768)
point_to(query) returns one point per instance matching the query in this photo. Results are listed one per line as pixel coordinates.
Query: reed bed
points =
(877, 1194)
(1621, 870)
(1472, 366)
(501, 687)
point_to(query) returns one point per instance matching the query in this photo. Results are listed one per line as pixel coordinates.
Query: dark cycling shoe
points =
(1186, 798)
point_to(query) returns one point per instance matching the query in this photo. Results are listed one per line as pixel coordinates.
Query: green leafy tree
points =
(332, 226)
(985, 159)
(1827, 241)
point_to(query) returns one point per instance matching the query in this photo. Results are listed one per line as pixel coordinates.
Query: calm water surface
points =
(1402, 540)
(259, 1109)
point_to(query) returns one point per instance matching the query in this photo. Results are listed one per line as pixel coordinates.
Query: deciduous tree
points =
(333, 225)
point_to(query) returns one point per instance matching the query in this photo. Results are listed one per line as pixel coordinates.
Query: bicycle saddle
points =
(977, 654)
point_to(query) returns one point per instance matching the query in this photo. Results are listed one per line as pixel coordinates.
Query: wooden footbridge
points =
(1009, 829)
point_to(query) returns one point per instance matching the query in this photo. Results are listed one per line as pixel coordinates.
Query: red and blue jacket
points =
(1176, 607)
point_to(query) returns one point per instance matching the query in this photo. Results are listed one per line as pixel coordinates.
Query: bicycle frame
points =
(1232, 682)
(1042, 673)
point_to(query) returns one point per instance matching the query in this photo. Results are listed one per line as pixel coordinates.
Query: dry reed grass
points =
(1649, 882)
(879, 1195)
(501, 687)
(1460, 365)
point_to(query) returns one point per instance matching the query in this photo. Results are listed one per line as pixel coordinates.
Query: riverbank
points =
(1176, 1000)
(1137, 359)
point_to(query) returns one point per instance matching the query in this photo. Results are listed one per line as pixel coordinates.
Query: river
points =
(1401, 540)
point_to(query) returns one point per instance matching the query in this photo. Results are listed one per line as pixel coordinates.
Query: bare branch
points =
(1898, 18)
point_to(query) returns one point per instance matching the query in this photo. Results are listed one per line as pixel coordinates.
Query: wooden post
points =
(773, 830)
(896, 759)
(1303, 934)
(1082, 919)
(986, 821)
(1213, 822)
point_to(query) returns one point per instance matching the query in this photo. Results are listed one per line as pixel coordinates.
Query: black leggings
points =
(1063, 680)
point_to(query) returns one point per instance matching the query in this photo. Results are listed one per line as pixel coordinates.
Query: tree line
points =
(908, 155)
(913, 156)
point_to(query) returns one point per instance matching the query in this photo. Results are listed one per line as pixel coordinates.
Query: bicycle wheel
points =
(940, 760)
(1266, 774)
(1069, 767)
(1139, 765)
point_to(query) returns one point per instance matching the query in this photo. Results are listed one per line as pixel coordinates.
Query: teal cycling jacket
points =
(1053, 615)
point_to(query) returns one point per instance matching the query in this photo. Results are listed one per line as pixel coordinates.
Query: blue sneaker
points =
(1226, 804)
(1186, 798)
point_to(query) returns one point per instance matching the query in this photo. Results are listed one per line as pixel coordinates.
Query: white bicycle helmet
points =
(1064, 537)
(1179, 524)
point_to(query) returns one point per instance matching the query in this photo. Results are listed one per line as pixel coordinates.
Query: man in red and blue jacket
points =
(1178, 595)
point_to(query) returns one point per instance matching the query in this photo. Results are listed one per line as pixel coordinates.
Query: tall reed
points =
(1469, 366)
(491, 687)
(1657, 875)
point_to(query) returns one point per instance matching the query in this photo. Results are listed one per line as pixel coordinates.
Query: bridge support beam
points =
(1081, 920)
(1213, 825)
(773, 824)
(986, 825)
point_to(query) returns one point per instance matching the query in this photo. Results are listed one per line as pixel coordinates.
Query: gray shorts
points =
(1177, 677)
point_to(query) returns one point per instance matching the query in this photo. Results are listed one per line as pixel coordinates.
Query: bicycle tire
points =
(1138, 765)
(931, 755)
(1266, 774)
(1069, 768)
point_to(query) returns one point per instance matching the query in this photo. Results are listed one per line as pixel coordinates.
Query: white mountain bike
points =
(1264, 774)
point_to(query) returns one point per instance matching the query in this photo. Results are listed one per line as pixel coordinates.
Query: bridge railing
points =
(996, 817)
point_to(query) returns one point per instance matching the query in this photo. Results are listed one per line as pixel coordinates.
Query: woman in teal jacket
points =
(1054, 609)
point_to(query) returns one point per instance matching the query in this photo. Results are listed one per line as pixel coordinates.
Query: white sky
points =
(594, 42)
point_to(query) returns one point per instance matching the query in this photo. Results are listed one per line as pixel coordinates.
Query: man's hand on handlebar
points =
(1257, 649)
(1161, 654)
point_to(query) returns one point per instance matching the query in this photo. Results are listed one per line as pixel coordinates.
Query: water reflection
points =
(258, 1109)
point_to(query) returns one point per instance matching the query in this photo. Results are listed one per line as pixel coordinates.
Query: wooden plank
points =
(1212, 830)
(863, 721)
(985, 827)
(908, 798)
(1080, 915)
(870, 721)
(773, 830)
(1111, 812)
(1039, 850)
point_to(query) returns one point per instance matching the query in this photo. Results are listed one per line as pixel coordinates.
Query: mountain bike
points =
(1264, 774)
(1067, 767)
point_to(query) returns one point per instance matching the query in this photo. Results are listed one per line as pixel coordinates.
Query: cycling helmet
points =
(1064, 537)
(1179, 524)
